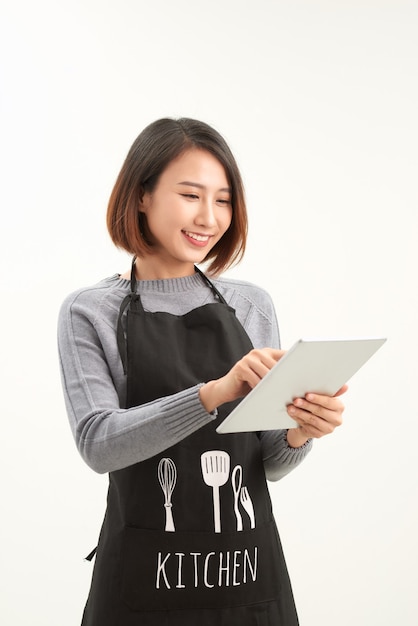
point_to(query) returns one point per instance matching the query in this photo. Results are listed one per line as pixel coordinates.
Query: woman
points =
(152, 361)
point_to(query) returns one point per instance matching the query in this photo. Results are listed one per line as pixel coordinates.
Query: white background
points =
(319, 102)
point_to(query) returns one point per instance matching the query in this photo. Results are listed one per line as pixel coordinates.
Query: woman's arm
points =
(317, 415)
(107, 436)
(285, 450)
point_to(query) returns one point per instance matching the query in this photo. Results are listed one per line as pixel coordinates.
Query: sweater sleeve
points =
(278, 457)
(108, 437)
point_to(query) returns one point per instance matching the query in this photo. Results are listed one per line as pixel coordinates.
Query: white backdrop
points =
(319, 101)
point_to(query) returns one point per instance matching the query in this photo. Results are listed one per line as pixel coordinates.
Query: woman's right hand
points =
(240, 379)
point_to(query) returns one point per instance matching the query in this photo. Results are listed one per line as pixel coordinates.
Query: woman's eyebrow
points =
(189, 183)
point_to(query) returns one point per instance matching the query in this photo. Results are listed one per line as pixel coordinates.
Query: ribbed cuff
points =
(186, 413)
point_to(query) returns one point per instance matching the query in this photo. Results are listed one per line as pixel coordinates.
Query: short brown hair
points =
(152, 151)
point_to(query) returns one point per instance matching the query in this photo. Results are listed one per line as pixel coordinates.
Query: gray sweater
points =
(109, 437)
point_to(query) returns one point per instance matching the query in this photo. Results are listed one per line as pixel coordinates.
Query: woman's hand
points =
(240, 379)
(316, 414)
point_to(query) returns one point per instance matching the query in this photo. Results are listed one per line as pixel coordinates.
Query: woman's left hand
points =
(317, 415)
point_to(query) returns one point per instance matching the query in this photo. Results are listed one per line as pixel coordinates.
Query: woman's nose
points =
(206, 215)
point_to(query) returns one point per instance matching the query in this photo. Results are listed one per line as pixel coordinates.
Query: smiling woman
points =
(184, 219)
(158, 146)
(152, 361)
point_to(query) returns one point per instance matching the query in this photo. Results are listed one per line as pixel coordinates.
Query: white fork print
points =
(247, 505)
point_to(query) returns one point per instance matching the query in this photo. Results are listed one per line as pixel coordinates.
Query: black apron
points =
(188, 537)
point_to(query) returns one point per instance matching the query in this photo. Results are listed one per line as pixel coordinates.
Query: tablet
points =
(321, 366)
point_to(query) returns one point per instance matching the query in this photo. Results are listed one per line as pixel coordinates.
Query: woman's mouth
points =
(196, 238)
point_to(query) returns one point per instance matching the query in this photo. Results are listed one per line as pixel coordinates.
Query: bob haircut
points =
(158, 144)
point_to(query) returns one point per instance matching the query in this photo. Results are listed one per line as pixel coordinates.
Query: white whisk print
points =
(167, 475)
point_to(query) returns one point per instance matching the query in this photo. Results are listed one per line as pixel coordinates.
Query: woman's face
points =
(187, 213)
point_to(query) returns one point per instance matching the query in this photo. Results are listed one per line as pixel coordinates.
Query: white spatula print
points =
(215, 470)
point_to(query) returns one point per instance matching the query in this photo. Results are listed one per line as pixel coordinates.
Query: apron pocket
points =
(192, 570)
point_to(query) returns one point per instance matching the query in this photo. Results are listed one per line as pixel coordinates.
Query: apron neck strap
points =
(131, 298)
(210, 283)
(133, 278)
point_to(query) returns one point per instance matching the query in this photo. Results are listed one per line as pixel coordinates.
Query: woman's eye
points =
(224, 201)
(192, 196)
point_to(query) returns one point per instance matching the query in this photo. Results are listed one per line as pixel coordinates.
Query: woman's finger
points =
(341, 391)
(328, 409)
(256, 364)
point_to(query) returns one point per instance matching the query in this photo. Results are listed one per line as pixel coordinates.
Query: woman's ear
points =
(141, 198)
(144, 201)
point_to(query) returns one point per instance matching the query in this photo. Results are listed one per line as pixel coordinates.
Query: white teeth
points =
(197, 237)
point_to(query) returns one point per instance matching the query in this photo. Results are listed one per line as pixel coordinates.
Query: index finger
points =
(341, 391)
(269, 353)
